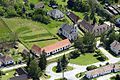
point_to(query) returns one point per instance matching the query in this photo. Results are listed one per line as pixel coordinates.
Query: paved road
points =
(13, 67)
(70, 75)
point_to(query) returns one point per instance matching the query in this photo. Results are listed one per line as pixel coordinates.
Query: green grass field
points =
(5, 33)
(69, 68)
(86, 59)
(31, 32)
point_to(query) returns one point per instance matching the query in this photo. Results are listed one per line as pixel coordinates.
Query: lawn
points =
(5, 33)
(67, 69)
(31, 32)
(86, 59)
(8, 75)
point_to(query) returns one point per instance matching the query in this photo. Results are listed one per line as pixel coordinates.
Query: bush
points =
(75, 54)
(91, 67)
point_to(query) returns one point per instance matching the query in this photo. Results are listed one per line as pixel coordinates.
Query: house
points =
(95, 29)
(6, 60)
(74, 18)
(118, 22)
(55, 14)
(39, 5)
(52, 49)
(103, 70)
(68, 31)
(20, 77)
(115, 47)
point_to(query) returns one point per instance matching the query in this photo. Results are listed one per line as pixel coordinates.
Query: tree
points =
(75, 54)
(86, 44)
(1, 73)
(42, 61)
(34, 70)
(58, 67)
(10, 12)
(116, 1)
(117, 77)
(86, 17)
(64, 63)
(94, 20)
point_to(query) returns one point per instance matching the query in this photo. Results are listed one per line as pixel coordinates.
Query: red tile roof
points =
(57, 45)
(37, 50)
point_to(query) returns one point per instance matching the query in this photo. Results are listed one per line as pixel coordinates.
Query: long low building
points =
(51, 49)
(103, 70)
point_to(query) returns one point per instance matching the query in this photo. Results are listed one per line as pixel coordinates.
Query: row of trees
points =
(13, 8)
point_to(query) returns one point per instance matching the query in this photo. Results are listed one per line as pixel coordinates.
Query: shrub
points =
(91, 67)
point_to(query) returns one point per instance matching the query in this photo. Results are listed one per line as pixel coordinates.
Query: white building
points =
(68, 31)
(52, 49)
(103, 71)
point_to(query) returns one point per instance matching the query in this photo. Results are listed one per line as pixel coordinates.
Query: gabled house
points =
(68, 31)
(73, 17)
(115, 47)
(95, 29)
(55, 14)
(39, 5)
(51, 49)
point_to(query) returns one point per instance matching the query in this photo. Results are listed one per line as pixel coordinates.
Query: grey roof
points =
(67, 28)
(115, 45)
(55, 13)
(39, 5)
(86, 25)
